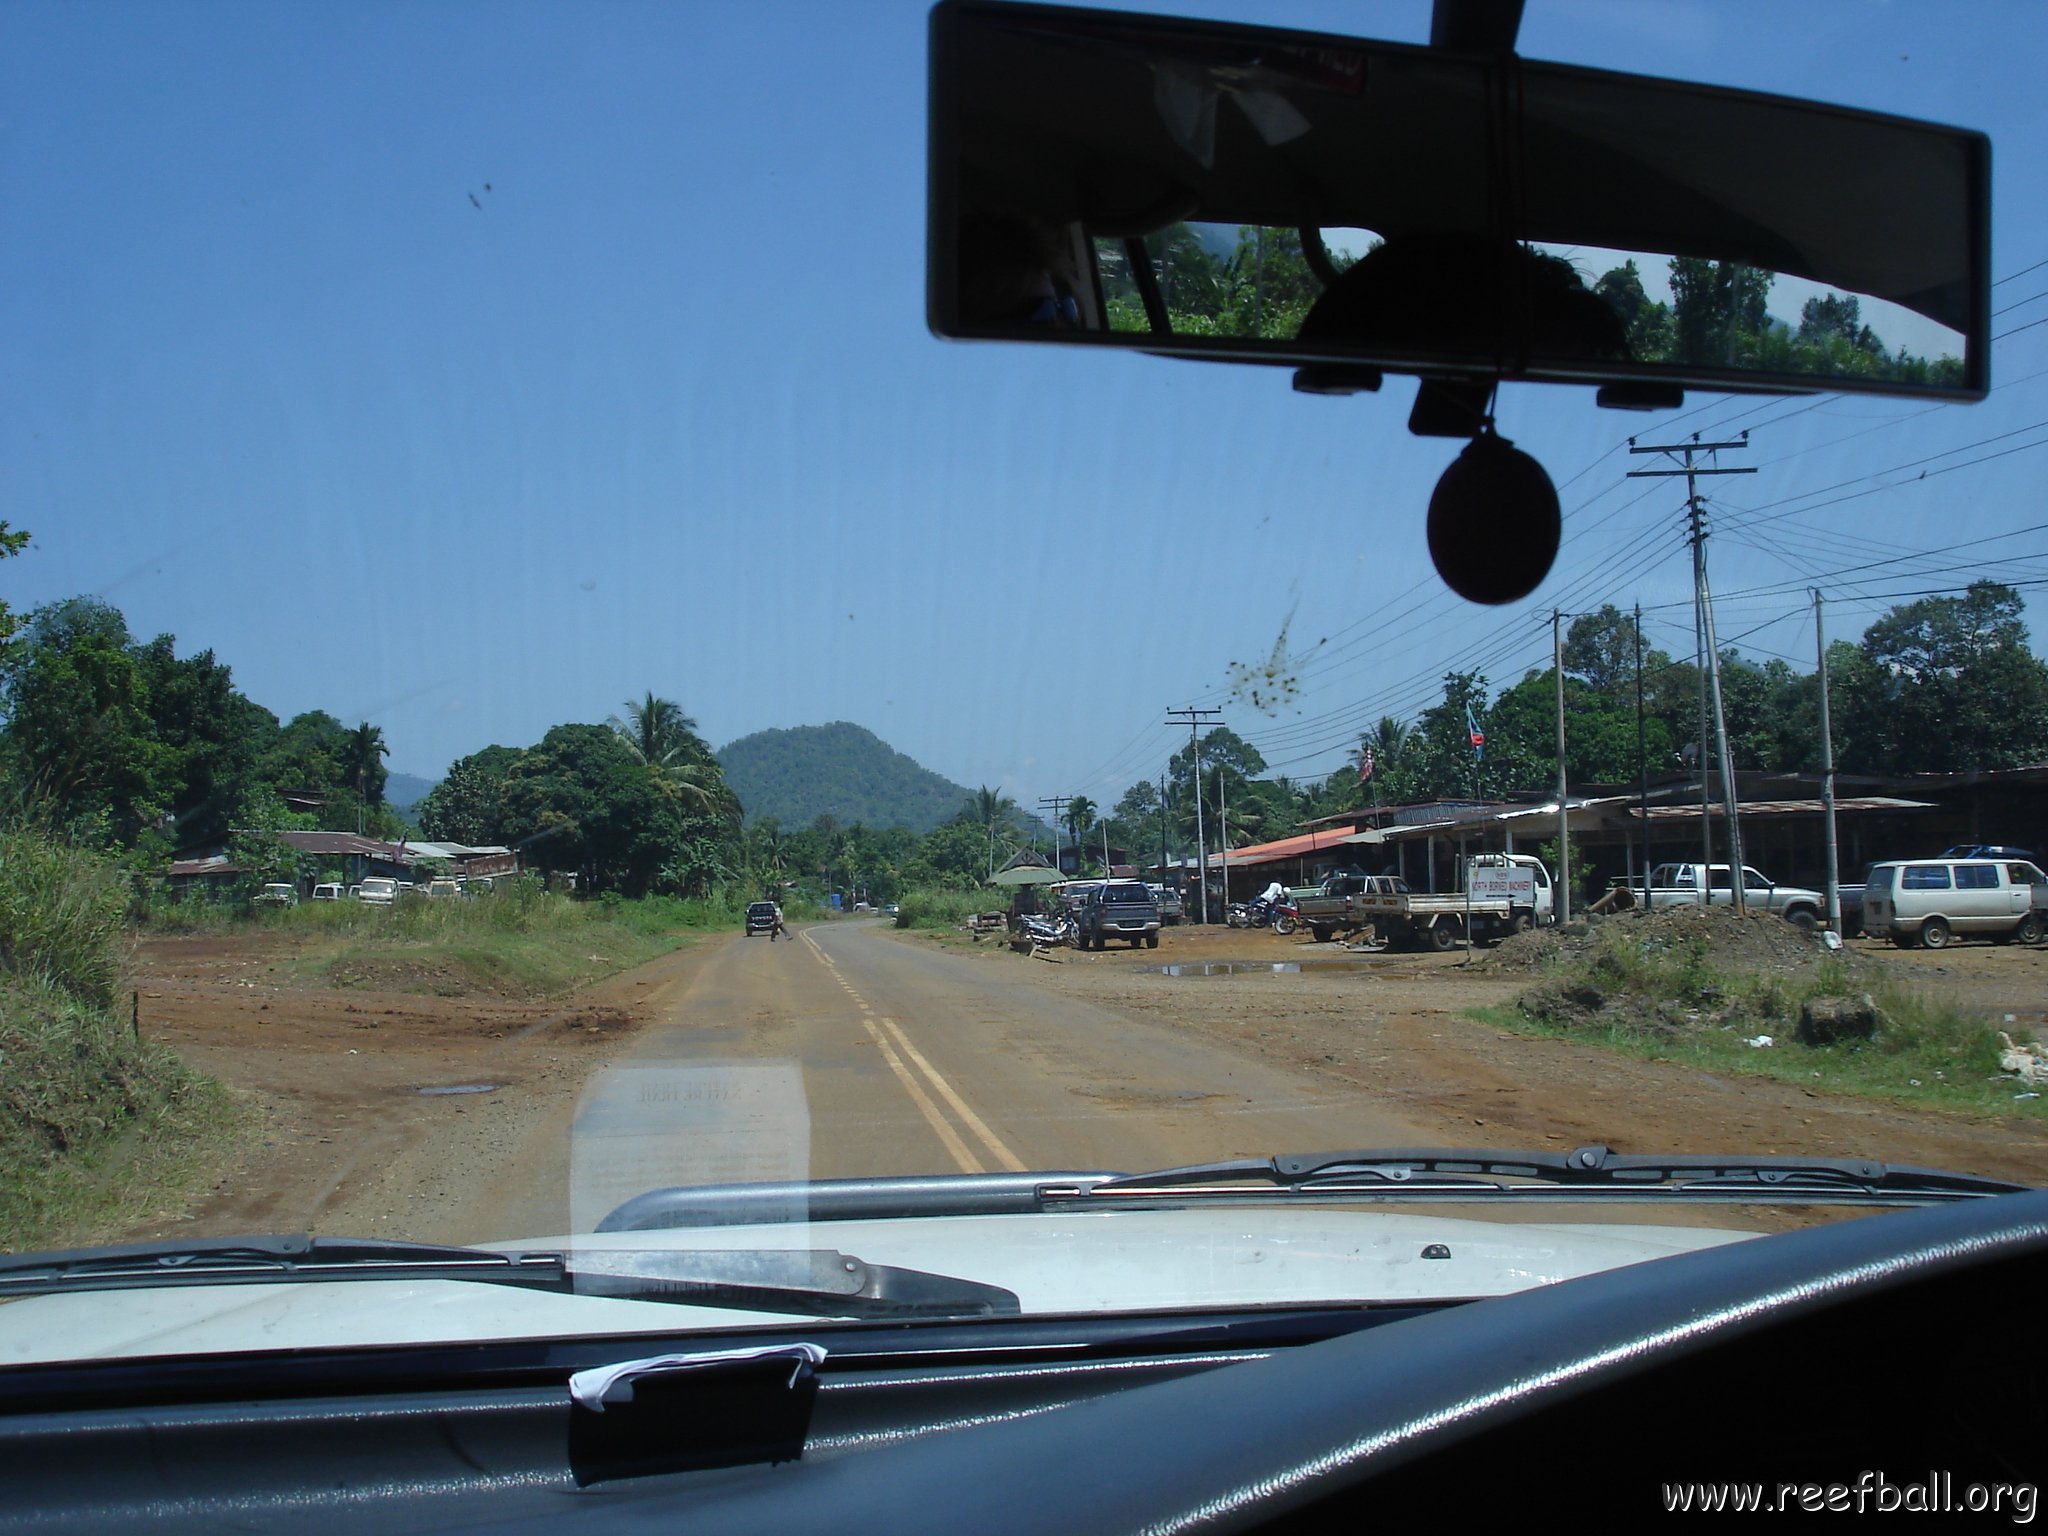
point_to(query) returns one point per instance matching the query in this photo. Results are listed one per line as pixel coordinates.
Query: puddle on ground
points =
(1265, 968)
(460, 1088)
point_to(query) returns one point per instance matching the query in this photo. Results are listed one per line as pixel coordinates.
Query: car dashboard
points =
(1896, 1346)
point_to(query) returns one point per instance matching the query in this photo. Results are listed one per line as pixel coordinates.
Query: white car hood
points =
(1057, 1263)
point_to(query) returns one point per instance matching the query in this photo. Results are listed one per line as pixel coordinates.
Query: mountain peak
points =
(841, 770)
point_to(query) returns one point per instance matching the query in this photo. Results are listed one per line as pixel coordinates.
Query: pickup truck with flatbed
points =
(1331, 908)
(1504, 894)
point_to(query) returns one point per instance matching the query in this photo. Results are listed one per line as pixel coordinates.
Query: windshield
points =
(675, 599)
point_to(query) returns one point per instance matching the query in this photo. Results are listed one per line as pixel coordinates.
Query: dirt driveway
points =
(372, 1104)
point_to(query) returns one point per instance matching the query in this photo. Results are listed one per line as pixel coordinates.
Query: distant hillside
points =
(838, 770)
(403, 791)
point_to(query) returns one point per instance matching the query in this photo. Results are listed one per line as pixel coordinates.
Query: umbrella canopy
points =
(1026, 874)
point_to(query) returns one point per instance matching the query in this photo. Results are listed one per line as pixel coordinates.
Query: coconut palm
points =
(362, 760)
(990, 810)
(664, 739)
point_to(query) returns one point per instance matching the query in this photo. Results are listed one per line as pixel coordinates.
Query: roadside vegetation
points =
(941, 909)
(518, 940)
(98, 1129)
(1749, 995)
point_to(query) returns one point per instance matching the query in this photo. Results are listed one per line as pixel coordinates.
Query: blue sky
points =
(663, 413)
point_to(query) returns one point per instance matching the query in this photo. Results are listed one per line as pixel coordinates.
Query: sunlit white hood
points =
(1056, 1263)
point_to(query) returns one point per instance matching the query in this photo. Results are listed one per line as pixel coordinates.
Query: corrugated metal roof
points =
(1871, 804)
(1285, 848)
(200, 868)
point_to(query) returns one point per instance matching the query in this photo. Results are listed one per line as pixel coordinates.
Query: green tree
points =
(78, 724)
(213, 735)
(582, 801)
(362, 761)
(665, 742)
(12, 542)
(1646, 324)
(1946, 684)
(468, 805)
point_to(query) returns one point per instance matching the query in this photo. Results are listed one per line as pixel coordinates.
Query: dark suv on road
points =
(1119, 909)
(760, 918)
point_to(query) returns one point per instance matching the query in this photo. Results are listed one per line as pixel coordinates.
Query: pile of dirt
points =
(1756, 942)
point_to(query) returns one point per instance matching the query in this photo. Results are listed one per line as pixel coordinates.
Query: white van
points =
(1929, 901)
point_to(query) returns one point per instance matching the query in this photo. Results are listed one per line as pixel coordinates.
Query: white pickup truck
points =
(378, 891)
(1505, 893)
(1679, 885)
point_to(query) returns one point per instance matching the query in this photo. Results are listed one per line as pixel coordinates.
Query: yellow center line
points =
(961, 1155)
(958, 1148)
(974, 1122)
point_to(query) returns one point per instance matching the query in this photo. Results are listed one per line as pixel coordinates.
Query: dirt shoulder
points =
(347, 1140)
(1396, 1025)
(345, 1083)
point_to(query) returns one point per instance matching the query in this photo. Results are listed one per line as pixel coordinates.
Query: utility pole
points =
(1564, 842)
(1193, 716)
(1642, 758)
(1223, 835)
(1703, 626)
(1057, 804)
(1162, 829)
(1827, 772)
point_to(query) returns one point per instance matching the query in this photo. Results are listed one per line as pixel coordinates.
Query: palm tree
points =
(1080, 817)
(362, 761)
(1386, 741)
(989, 809)
(664, 739)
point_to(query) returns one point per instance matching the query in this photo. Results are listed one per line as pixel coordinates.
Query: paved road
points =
(890, 1058)
(847, 1052)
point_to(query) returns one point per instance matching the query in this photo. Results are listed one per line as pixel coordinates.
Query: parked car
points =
(329, 890)
(760, 918)
(378, 891)
(1930, 901)
(1119, 909)
(1167, 899)
(277, 894)
(443, 885)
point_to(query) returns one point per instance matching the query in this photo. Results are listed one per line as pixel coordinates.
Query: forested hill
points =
(839, 770)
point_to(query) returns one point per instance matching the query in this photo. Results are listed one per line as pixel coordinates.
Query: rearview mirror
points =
(1247, 195)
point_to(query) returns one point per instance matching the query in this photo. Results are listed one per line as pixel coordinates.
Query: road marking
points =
(895, 1032)
(966, 1159)
(974, 1122)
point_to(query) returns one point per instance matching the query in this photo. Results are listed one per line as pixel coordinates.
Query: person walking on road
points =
(778, 931)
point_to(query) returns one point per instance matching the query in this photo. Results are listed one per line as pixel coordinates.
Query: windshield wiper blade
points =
(295, 1256)
(1585, 1173)
(808, 1282)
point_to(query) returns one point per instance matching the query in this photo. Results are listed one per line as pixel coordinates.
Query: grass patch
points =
(1674, 1000)
(517, 941)
(98, 1129)
(941, 909)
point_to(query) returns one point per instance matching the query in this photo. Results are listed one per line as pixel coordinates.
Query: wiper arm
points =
(1585, 1173)
(815, 1282)
(808, 1282)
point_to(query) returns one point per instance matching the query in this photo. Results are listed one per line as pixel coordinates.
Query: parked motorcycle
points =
(1049, 931)
(1249, 914)
(1286, 917)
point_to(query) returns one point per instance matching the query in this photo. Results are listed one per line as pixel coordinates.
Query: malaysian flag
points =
(1478, 736)
(1365, 765)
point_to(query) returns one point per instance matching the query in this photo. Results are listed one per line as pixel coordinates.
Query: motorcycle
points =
(1286, 917)
(1255, 913)
(1047, 932)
